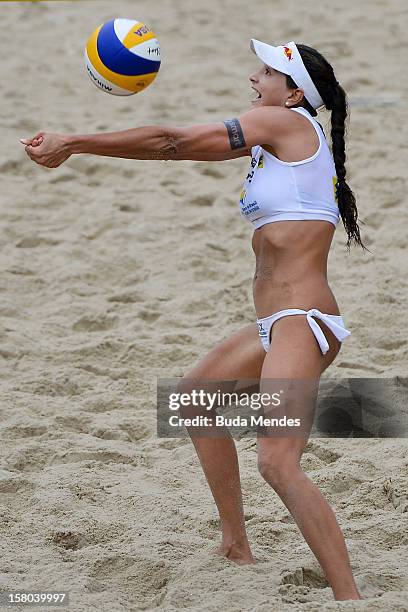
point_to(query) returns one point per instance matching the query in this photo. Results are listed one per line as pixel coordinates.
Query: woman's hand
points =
(49, 150)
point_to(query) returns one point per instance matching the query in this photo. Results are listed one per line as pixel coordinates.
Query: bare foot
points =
(238, 554)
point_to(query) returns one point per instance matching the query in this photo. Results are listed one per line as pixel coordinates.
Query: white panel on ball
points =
(142, 50)
(123, 26)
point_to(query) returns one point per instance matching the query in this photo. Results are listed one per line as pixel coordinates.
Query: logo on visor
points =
(288, 52)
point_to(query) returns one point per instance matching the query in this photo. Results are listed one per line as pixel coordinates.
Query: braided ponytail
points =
(335, 100)
(345, 197)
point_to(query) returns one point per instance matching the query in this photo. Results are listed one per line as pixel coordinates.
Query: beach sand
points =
(115, 273)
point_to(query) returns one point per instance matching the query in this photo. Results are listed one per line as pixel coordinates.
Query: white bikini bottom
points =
(334, 322)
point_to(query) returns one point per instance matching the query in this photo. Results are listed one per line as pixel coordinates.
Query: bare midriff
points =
(291, 267)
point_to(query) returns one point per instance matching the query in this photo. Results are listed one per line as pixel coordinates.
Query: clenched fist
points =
(49, 150)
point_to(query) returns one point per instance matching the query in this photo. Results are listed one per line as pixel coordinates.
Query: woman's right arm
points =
(150, 142)
(208, 142)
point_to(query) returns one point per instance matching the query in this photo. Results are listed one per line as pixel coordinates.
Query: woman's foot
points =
(238, 553)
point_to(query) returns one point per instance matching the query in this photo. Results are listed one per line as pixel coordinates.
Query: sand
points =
(117, 272)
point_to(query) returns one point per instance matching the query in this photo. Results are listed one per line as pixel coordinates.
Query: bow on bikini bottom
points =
(334, 322)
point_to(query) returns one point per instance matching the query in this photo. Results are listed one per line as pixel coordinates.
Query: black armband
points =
(235, 133)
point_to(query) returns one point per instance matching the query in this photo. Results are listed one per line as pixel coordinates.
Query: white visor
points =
(287, 59)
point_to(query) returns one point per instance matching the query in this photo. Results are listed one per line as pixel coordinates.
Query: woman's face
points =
(271, 85)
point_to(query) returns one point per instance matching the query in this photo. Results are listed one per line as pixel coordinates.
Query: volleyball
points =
(122, 57)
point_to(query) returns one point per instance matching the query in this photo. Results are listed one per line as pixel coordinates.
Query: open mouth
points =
(259, 95)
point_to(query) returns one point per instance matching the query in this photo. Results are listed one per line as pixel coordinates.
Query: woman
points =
(293, 195)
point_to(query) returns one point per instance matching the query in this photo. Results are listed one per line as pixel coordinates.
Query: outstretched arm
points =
(209, 142)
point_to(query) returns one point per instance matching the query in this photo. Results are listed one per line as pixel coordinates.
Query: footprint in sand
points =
(101, 456)
(396, 490)
(391, 345)
(150, 316)
(11, 482)
(15, 166)
(112, 373)
(68, 540)
(63, 178)
(374, 220)
(135, 430)
(26, 429)
(326, 455)
(7, 516)
(8, 310)
(176, 339)
(105, 404)
(266, 530)
(58, 387)
(225, 91)
(206, 273)
(108, 433)
(168, 182)
(345, 476)
(133, 208)
(30, 458)
(72, 423)
(88, 168)
(294, 594)
(94, 323)
(203, 200)
(128, 297)
(17, 269)
(211, 171)
(143, 580)
(390, 190)
(374, 584)
(303, 576)
(31, 242)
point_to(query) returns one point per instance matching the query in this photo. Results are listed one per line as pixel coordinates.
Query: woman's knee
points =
(278, 468)
(186, 391)
(195, 392)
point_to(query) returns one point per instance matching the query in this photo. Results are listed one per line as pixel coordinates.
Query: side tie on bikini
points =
(338, 330)
(333, 322)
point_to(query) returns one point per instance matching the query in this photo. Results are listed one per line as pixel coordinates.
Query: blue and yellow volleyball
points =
(122, 57)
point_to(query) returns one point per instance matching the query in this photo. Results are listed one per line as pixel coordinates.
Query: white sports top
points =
(276, 190)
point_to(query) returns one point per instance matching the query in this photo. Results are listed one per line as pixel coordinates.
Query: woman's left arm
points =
(211, 142)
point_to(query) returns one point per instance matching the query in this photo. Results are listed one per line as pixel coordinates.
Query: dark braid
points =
(335, 100)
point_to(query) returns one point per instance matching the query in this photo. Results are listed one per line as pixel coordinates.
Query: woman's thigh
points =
(294, 363)
(240, 356)
(233, 364)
